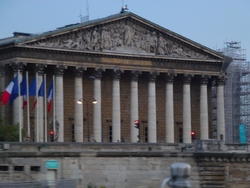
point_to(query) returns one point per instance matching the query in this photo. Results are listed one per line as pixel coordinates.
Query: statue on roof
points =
(124, 9)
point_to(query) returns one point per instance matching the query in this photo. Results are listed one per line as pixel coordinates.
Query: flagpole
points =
(37, 127)
(19, 106)
(54, 109)
(28, 102)
(45, 110)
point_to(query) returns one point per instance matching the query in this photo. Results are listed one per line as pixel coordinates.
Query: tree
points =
(9, 133)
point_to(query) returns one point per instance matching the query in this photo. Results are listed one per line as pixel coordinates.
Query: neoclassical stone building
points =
(133, 68)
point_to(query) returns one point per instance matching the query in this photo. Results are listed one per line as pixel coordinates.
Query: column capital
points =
(169, 77)
(221, 80)
(204, 79)
(59, 70)
(117, 74)
(17, 66)
(98, 73)
(79, 71)
(187, 78)
(152, 76)
(39, 68)
(134, 74)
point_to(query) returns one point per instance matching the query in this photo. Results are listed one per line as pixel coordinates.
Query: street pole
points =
(80, 101)
(88, 119)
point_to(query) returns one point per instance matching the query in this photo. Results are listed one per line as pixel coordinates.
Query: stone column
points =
(187, 109)
(97, 116)
(220, 108)
(152, 129)
(17, 104)
(2, 88)
(39, 110)
(78, 113)
(59, 102)
(116, 109)
(204, 108)
(134, 113)
(169, 108)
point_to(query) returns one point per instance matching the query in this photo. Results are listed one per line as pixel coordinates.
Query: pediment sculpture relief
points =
(124, 38)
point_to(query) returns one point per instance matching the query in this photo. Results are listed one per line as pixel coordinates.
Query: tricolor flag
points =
(24, 91)
(14, 93)
(32, 88)
(8, 91)
(40, 93)
(50, 96)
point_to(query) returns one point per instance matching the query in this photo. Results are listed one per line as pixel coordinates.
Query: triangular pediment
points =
(122, 33)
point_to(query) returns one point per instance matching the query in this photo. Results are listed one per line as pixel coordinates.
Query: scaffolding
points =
(237, 93)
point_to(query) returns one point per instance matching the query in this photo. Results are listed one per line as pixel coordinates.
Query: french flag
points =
(50, 96)
(40, 94)
(32, 88)
(8, 91)
(24, 91)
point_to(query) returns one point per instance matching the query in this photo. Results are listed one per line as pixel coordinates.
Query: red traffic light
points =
(192, 135)
(137, 124)
(51, 135)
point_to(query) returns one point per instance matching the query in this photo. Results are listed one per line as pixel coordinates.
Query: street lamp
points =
(80, 101)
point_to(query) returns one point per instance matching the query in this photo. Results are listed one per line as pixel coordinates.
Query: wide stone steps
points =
(212, 176)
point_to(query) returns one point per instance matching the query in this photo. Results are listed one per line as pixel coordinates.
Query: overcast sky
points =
(208, 22)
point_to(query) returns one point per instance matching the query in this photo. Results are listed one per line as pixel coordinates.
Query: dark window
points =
(180, 135)
(110, 133)
(35, 168)
(73, 133)
(146, 134)
(19, 168)
(4, 168)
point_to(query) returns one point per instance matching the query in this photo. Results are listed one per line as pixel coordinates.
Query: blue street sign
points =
(52, 164)
(242, 132)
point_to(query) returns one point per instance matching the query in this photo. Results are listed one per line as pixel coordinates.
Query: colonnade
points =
(134, 110)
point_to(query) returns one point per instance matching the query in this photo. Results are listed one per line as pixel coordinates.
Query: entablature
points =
(109, 60)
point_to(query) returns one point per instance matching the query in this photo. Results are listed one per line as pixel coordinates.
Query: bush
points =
(9, 133)
(91, 186)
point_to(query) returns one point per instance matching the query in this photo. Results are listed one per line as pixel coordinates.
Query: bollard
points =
(180, 173)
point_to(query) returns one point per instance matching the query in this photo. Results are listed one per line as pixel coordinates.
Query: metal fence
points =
(41, 184)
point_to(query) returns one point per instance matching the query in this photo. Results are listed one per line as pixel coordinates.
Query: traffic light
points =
(137, 124)
(192, 135)
(51, 136)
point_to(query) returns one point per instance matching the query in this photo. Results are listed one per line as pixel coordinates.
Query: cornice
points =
(108, 60)
(221, 157)
(157, 58)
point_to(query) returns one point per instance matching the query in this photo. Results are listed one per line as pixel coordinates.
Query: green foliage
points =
(1, 120)
(91, 186)
(9, 133)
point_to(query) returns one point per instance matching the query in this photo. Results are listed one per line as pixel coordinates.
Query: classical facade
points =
(133, 68)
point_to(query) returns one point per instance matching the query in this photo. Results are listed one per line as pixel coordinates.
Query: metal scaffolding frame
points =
(237, 92)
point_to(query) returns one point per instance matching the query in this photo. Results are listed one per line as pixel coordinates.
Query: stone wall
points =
(213, 163)
(109, 165)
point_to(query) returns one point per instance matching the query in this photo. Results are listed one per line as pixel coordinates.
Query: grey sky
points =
(208, 22)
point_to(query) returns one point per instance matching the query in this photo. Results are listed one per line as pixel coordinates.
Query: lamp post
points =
(80, 101)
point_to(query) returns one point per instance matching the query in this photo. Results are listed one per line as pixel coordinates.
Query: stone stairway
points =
(212, 175)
